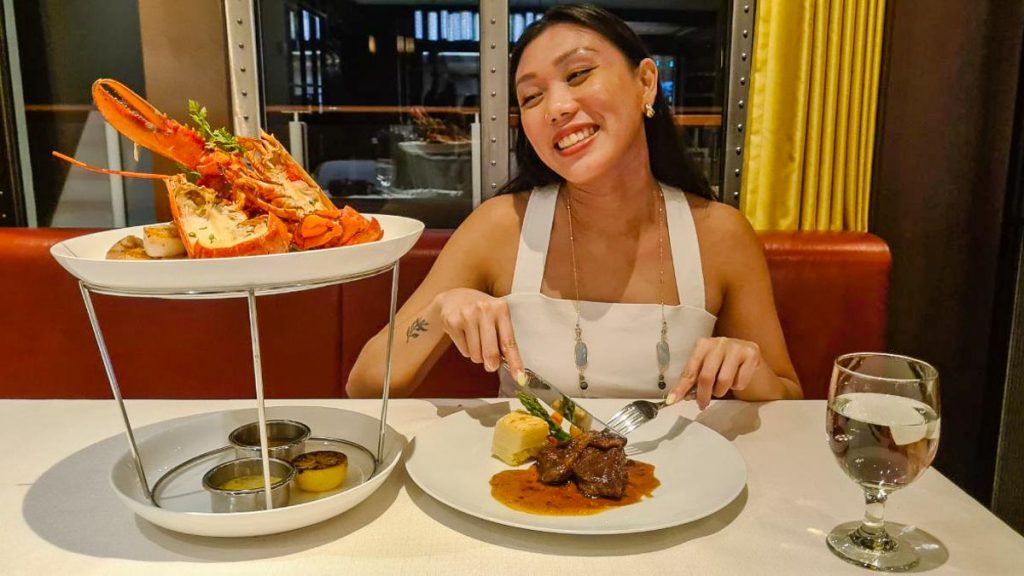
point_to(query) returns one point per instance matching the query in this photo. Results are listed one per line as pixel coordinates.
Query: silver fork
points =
(634, 415)
(640, 412)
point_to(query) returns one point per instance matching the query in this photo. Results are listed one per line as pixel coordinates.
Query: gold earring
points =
(648, 110)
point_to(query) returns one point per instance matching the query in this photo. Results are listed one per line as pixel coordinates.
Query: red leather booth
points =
(830, 289)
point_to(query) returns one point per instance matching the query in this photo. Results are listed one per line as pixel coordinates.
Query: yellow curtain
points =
(811, 116)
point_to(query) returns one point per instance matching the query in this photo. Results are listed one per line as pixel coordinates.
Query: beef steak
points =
(597, 461)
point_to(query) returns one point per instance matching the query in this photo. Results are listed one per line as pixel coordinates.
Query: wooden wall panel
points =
(184, 51)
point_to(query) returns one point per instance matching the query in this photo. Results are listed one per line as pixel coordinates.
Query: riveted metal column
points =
(741, 50)
(493, 96)
(15, 203)
(117, 203)
(240, 18)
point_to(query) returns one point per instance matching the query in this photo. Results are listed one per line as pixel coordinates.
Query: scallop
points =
(162, 241)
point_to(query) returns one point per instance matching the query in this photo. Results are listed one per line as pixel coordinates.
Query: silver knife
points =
(547, 393)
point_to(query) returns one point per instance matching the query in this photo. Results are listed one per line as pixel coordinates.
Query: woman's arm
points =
(460, 281)
(748, 354)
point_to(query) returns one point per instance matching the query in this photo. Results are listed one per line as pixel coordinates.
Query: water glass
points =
(883, 427)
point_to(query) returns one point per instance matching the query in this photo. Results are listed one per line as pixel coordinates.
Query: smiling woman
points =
(591, 47)
(606, 262)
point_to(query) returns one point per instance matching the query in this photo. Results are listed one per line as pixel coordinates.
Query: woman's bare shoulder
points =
(495, 218)
(718, 218)
(489, 235)
(725, 235)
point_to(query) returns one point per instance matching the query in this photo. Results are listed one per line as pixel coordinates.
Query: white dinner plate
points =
(699, 470)
(85, 258)
(186, 506)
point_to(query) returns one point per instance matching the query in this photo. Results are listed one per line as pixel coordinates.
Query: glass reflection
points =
(64, 47)
(385, 96)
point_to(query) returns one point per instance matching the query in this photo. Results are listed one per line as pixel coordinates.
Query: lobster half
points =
(237, 196)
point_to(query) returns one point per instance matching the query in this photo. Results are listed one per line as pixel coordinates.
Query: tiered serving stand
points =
(185, 507)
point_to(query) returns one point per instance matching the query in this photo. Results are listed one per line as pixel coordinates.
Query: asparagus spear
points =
(533, 407)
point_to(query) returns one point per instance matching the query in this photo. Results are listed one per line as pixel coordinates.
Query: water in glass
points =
(883, 422)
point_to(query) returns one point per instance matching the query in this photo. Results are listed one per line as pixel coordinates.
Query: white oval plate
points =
(700, 473)
(85, 258)
(165, 445)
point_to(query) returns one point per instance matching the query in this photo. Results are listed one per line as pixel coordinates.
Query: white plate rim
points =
(173, 520)
(413, 471)
(237, 272)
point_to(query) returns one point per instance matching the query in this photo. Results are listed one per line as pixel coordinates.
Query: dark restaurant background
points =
(946, 192)
(947, 199)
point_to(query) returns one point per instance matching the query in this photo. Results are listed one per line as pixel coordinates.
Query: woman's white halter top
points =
(621, 338)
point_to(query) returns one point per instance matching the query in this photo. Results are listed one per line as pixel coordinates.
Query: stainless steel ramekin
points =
(253, 499)
(286, 439)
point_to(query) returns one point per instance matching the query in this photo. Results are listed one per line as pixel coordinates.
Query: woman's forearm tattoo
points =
(418, 326)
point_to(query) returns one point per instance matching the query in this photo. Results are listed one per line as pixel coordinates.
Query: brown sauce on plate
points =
(522, 490)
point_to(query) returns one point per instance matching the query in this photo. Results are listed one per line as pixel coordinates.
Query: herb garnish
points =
(219, 138)
(190, 175)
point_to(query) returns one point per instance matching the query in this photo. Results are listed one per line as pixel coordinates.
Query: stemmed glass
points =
(883, 428)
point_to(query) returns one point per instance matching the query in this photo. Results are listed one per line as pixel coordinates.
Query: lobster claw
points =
(131, 115)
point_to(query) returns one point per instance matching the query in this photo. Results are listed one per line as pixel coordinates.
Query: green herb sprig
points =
(533, 407)
(219, 138)
(190, 175)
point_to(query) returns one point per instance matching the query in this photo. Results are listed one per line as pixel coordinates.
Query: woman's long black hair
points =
(670, 162)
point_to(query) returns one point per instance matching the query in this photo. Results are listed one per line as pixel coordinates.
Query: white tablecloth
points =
(58, 514)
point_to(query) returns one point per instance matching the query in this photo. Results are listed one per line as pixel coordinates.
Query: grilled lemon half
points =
(320, 471)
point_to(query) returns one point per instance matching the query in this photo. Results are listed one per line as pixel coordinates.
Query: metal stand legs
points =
(115, 389)
(250, 295)
(261, 412)
(387, 364)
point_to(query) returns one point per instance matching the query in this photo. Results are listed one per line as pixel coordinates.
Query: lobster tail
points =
(330, 228)
(212, 226)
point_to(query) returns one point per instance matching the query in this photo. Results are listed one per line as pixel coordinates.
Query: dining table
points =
(59, 513)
